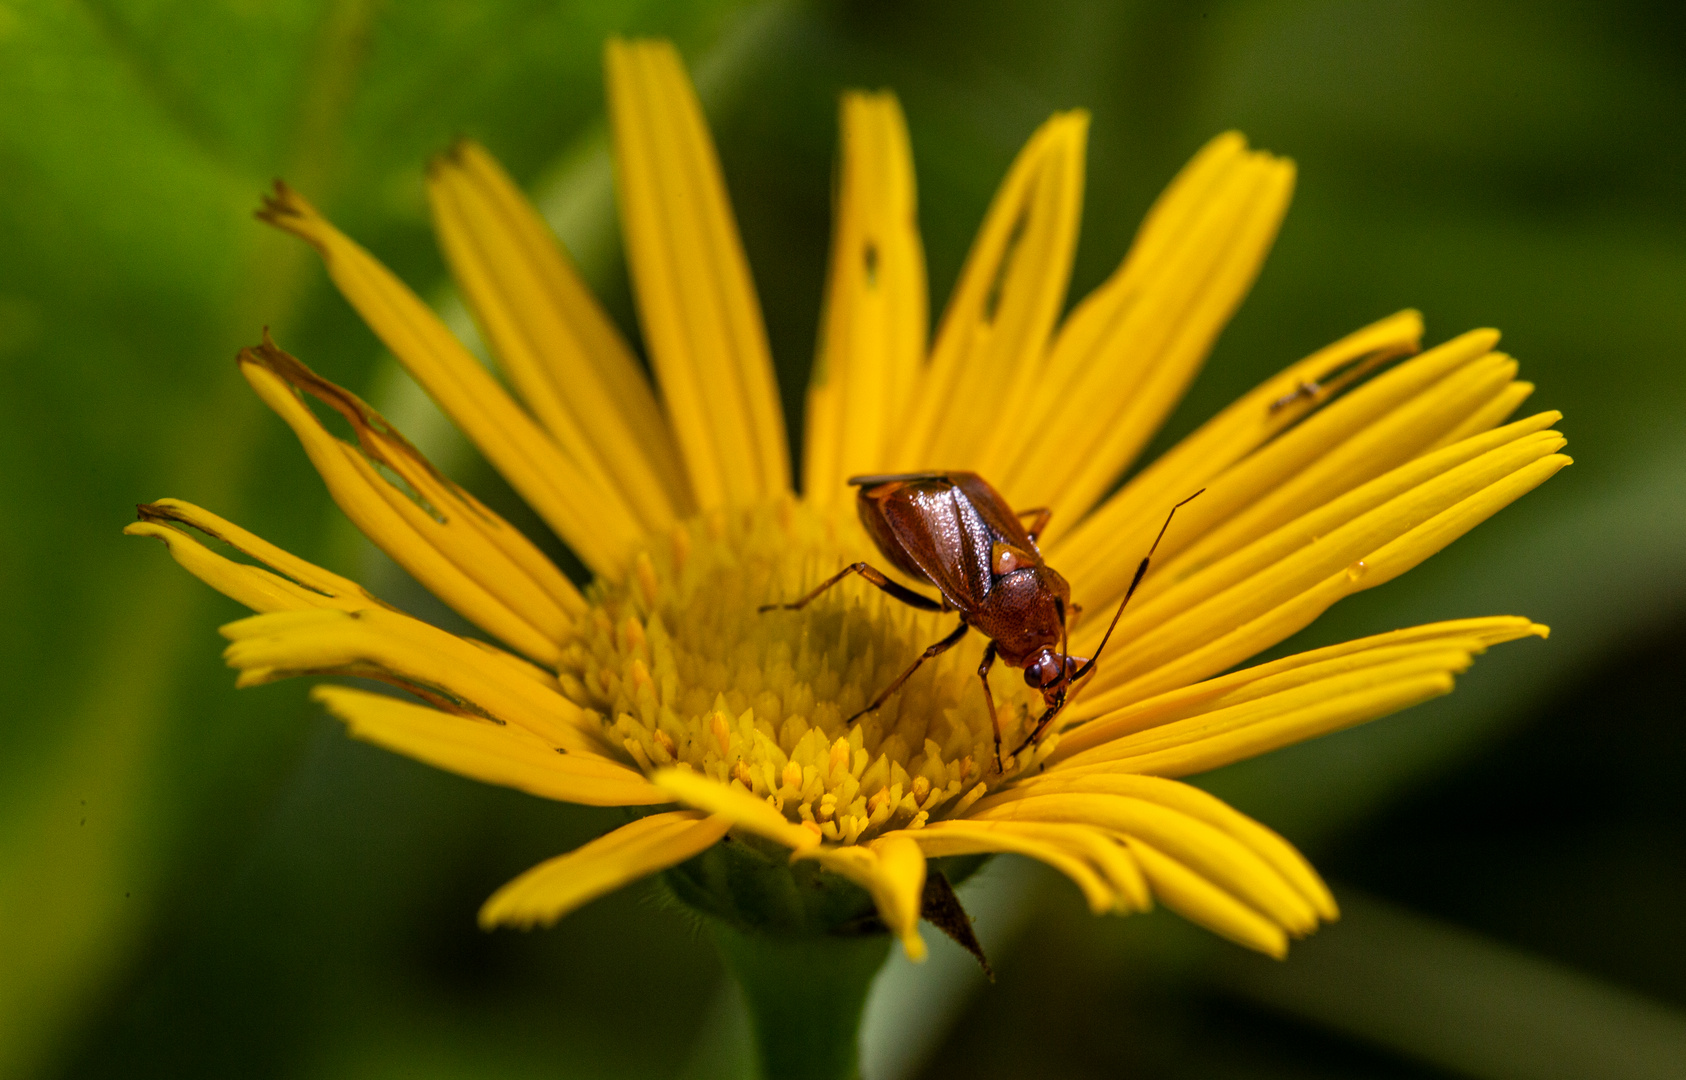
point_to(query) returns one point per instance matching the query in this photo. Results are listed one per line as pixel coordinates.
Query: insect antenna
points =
(1141, 572)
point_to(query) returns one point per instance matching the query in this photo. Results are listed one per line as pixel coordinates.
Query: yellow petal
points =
(557, 886)
(1199, 901)
(1011, 289)
(492, 753)
(1210, 851)
(1100, 552)
(461, 551)
(1125, 356)
(560, 349)
(1435, 477)
(1268, 845)
(1211, 740)
(298, 586)
(1342, 529)
(1495, 411)
(1095, 862)
(384, 644)
(746, 812)
(892, 870)
(696, 300)
(1113, 719)
(1264, 502)
(1186, 643)
(872, 338)
(589, 518)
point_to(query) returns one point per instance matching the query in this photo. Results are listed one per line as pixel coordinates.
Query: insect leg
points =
(873, 575)
(989, 698)
(1053, 710)
(938, 649)
(1035, 527)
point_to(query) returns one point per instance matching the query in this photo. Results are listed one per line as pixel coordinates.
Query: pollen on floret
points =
(682, 669)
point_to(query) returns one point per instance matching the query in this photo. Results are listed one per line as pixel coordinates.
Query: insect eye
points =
(1044, 672)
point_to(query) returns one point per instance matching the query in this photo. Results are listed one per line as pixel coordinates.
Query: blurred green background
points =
(195, 882)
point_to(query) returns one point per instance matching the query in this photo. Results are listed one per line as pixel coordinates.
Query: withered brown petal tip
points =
(452, 155)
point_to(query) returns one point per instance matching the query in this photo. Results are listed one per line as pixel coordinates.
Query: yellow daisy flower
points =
(663, 685)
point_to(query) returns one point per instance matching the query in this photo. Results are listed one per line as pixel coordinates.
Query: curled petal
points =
(464, 553)
(892, 869)
(593, 519)
(557, 886)
(290, 583)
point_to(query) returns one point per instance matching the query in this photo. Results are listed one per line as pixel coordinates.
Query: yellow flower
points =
(662, 684)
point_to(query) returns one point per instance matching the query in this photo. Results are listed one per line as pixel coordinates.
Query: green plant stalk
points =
(803, 943)
(805, 997)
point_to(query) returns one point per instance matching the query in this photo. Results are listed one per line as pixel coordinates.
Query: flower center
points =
(682, 669)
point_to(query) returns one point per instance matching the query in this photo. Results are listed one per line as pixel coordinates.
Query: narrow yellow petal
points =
(1305, 550)
(492, 753)
(325, 589)
(257, 588)
(1490, 415)
(1184, 198)
(383, 644)
(1268, 845)
(1128, 352)
(1094, 860)
(1262, 539)
(1276, 463)
(998, 321)
(872, 338)
(1030, 839)
(1389, 441)
(1207, 849)
(254, 586)
(560, 349)
(591, 519)
(558, 886)
(696, 300)
(1201, 902)
(892, 870)
(746, 812)
(1410, 550)
(1202, 743)
(1282, 597)
(450, 542)
(1113, 718)
(901, 888)
(1100, 552)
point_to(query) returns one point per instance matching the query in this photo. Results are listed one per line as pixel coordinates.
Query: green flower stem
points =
(804, 944)
(805, 997)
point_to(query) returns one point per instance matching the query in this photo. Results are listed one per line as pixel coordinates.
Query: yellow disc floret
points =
(683, 669)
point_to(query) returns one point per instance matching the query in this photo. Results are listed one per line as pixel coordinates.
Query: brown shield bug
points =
(955, 532)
